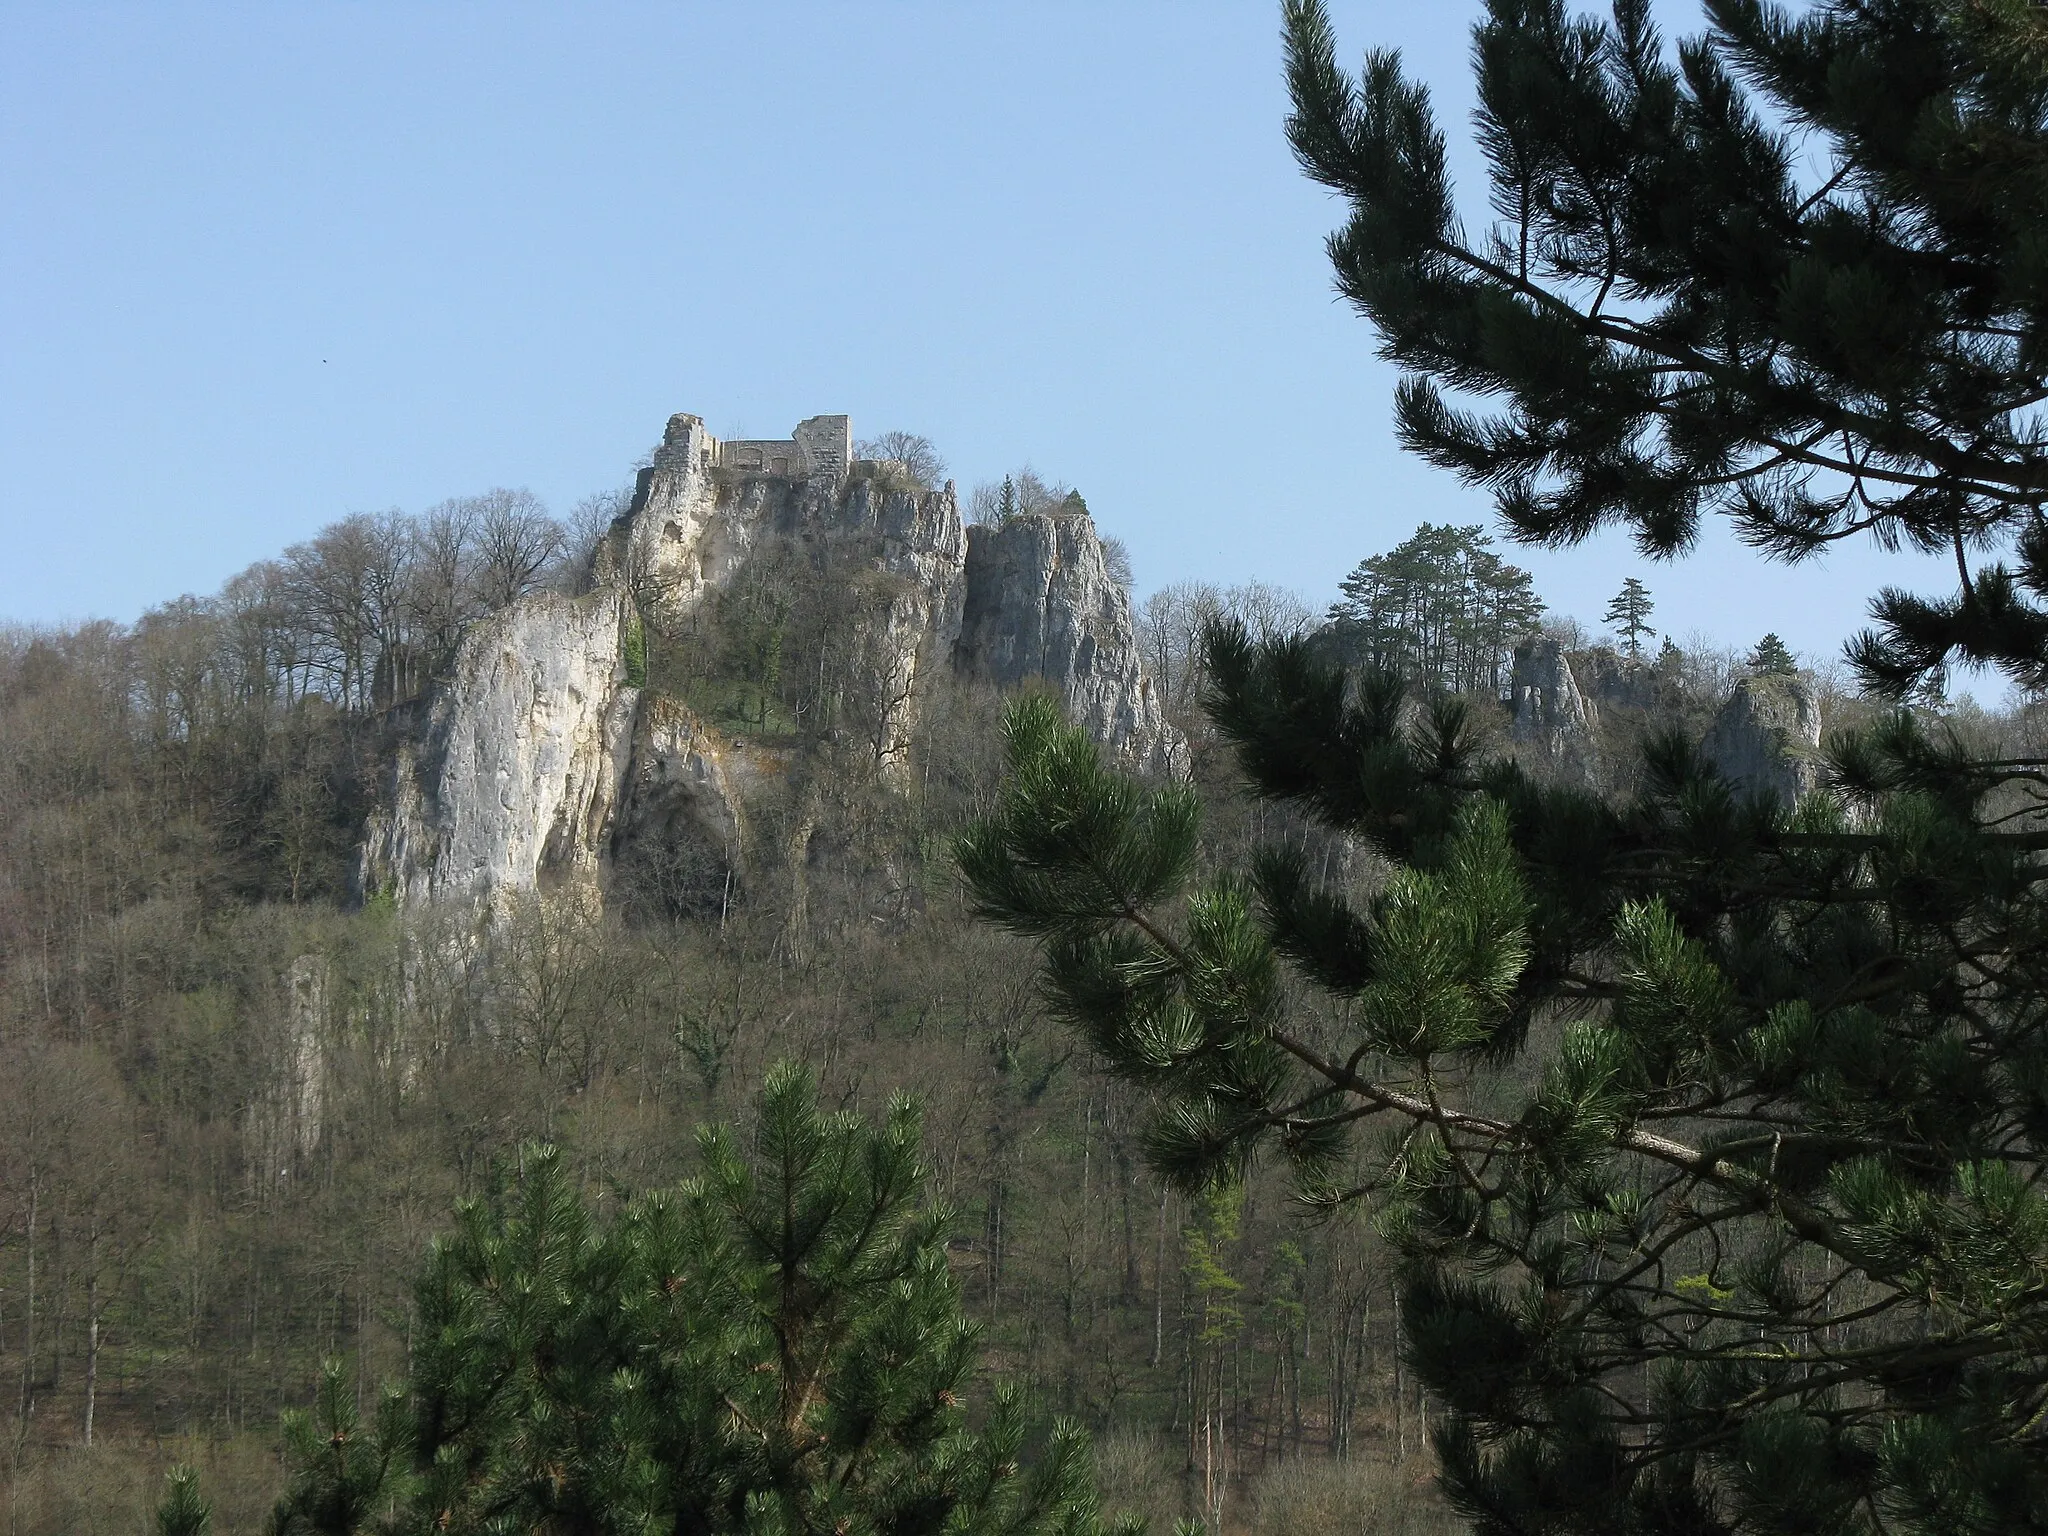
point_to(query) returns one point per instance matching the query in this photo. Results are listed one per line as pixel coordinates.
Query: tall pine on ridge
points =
(1440, 608)
(1629, 616)
(1709, 1132)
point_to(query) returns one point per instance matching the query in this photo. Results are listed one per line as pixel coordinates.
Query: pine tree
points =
(1709, 1132)
(1440, 607)
(1629, 616)
(1771, 657)
(1678, 325)
(776, 1347)
(183, 1512)
(347, 1476)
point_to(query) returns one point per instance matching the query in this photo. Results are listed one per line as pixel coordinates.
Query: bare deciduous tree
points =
(516, 543)
(1116, 559)
(1171, 621)
(921, 461)
(589, 523)
(444, 584)
(1021, 492)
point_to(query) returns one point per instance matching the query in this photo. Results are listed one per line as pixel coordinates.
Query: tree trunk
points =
(1159, 1288)
(92, 1356)
(1400, 1426)
(28, 1343)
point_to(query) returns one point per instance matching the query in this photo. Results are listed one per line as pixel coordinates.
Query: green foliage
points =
(1709, 1132)
(346, 1475)
(1629, 614)
(1441, 608)
(753, 631)
(1793, 275)
(183, 1512)
(1711, 1146)
(1219, 1314)
(635, 657)
(775, 1347)
(1771, 658)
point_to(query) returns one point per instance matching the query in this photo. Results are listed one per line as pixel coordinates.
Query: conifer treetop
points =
(1668, 316)
(1629, 615)
(1771, 657)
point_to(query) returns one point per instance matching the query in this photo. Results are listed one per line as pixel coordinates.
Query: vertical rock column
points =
(1041, 603)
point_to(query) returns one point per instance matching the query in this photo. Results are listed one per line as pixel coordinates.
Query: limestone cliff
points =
(515, 778)
(1585, 711)
(1041, 603)
(1767, 737)
(1549, 709)
(536, 762)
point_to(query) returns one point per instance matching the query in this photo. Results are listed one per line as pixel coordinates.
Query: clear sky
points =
(265, 265)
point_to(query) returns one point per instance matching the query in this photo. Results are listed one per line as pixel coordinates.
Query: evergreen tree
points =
(345, 1476)
(1629, 616)
(1679, 325)
(776, 1347)
(1708, 1131)
(1441, 608)
(1770, 656)
(183, 1512)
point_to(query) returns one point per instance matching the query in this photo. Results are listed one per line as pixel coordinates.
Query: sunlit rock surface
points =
(1042, 604)
(515, 778)
(1767, 737)
(535, 764)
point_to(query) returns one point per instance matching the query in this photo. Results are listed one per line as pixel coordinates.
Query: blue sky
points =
(266, 265)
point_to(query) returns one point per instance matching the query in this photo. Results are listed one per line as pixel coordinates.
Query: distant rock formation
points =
(537, 764)
(1767, 736)
(1041, 603)
(1549, 709)
(1611, 682)
(1575, 705)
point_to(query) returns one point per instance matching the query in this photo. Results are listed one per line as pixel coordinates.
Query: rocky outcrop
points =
(536, 764)
(682, 540)
(516, 776)
(1767, 737)
(1041, 604)
(683, 831)
(1612, 683)
(1549, 709)
(900, 554)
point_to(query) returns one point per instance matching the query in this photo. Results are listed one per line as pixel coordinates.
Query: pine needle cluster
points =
(1708, 1132)
(1673, 314)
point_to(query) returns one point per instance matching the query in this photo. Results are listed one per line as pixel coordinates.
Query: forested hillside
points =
(242, 1100)
(791, 1002)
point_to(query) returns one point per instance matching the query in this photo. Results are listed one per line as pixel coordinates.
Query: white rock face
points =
(536, 765)
(900, 553)
(1767, 737)
(1041, 603)
(1549, 708)
(681, 542)
(518, 773)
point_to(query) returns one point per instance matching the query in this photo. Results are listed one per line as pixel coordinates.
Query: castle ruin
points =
(820, 445)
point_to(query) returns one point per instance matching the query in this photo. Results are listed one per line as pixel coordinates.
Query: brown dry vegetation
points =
(233, 1110)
